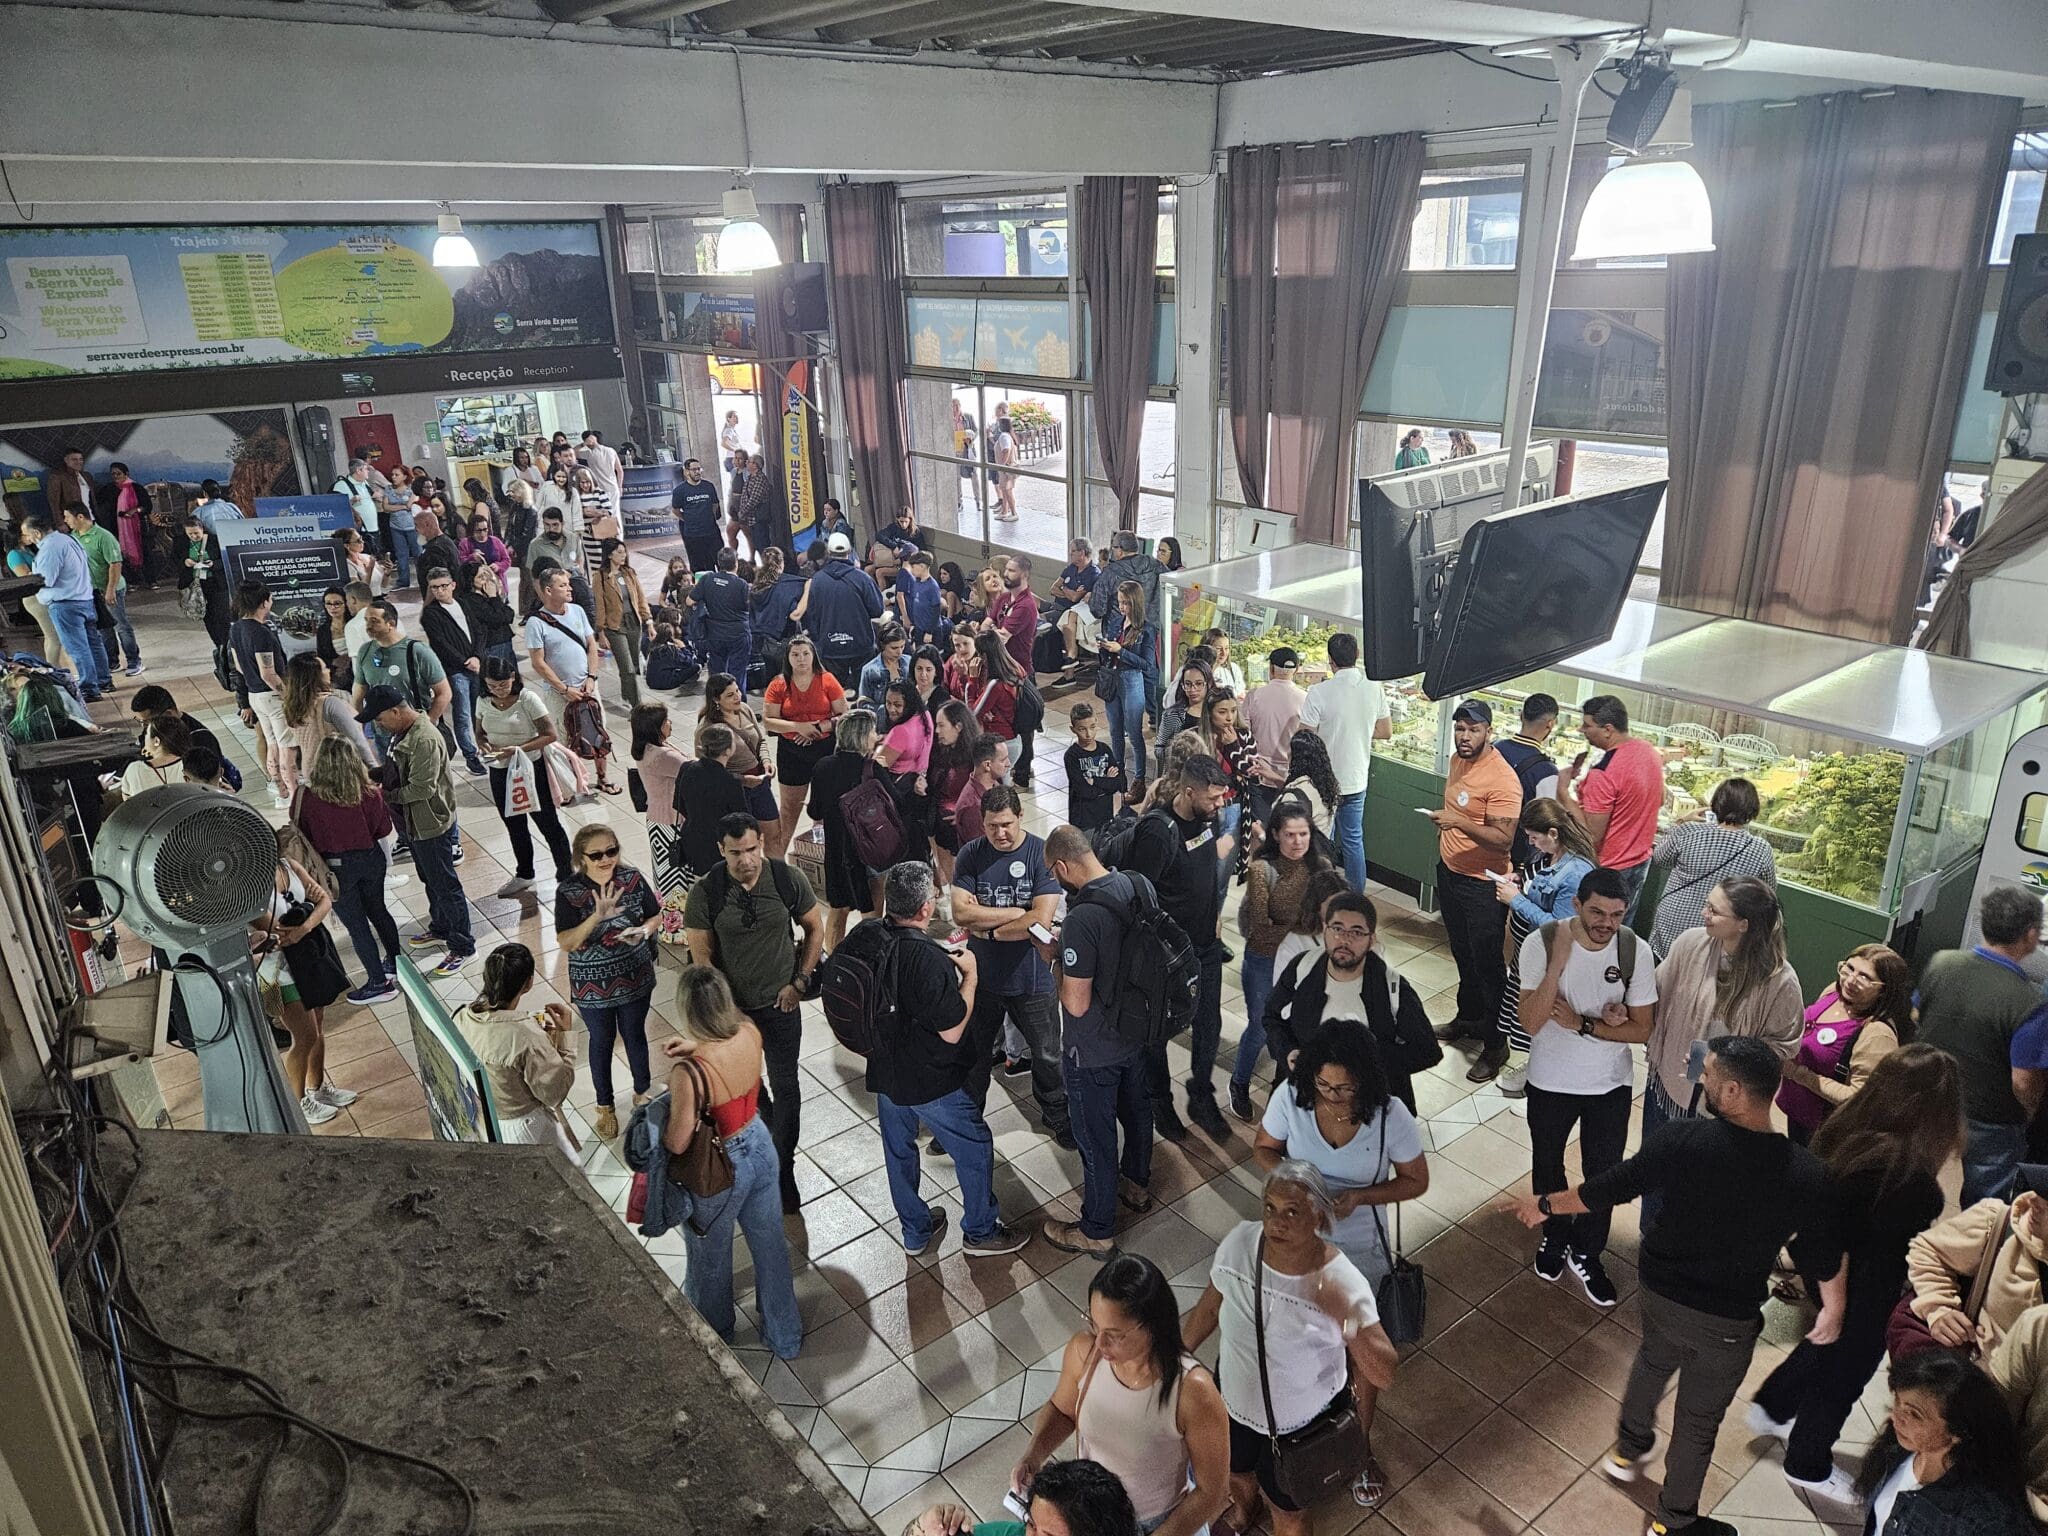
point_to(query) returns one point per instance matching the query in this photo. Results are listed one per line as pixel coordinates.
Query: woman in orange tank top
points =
(724, 1043)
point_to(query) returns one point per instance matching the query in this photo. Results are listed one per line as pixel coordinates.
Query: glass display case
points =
(1876, 765)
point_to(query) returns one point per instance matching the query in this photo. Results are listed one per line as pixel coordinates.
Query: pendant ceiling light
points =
(451, 246)
(744, 245)
(1654, 205)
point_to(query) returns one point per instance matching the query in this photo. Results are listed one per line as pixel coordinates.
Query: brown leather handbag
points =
(704, 1167)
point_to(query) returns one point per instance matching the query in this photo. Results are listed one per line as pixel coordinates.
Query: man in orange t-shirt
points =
(1475, 829)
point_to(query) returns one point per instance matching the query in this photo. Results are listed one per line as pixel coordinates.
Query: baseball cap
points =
(1283, 656)
(1474, 711)
(839, 544)
(376, 700)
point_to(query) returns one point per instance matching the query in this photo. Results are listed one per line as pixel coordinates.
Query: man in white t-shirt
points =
(1349, 711)
(603, 464)
(1589, 986)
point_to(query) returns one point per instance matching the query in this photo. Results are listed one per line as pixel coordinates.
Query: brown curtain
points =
(1117, 226)
(1341, 216)
(864, 228)
(1816, 357)
(2020, 526)
(1251, 188)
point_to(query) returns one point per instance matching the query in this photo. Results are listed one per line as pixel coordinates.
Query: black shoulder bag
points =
(1402, 1296)
(1326, 1453)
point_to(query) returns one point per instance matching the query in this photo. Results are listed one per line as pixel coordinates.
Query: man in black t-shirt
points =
(698, 517)
(1177, 848)
(919, 1071)
(1735, 1192)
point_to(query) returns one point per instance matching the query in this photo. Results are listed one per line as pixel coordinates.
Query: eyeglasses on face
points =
(1330, 1090)
(1347, 931)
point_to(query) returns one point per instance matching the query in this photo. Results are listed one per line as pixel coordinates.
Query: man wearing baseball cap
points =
(1476, 827)
(424, 797)
(843, 607)
(1272, 713)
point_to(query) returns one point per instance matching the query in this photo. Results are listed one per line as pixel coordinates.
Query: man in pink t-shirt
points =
(1619, 795)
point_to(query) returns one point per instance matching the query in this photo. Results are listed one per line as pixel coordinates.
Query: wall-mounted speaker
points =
(2019, 349)
(316, 441)
(803, 297)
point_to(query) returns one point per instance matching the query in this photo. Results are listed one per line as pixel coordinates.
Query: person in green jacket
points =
(103, 556)
(1412, 455)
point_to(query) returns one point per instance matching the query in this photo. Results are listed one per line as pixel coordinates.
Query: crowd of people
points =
(846, 823)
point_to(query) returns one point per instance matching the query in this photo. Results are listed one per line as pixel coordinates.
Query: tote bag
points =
(522, 791)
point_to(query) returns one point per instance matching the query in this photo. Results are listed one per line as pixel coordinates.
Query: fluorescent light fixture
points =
(451, 246)
(744, 245)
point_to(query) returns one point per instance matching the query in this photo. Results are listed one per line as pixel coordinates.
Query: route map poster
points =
(147, 298)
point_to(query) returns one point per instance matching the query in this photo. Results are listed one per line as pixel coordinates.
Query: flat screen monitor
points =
(1538, 584)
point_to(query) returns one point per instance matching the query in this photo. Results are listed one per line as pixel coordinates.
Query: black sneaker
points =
(1456, 1030)
(1014, 1066)
(1550, 1258)
(1063, 1136)
(1166, 1121)
(1000, 1240)
(1241, 1104)
(1593, 1278)
(938, 1232)
(1203, 1111)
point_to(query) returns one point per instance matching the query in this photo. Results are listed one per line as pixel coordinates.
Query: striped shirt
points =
(1701, 855)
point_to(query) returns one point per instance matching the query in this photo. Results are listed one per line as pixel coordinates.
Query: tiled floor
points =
(917, 1372)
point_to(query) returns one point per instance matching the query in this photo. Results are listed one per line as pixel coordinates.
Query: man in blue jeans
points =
(67, 593)
(919, 1068)
(1349, 711)
(1107, 1078)
(725, 601)
(424, 797)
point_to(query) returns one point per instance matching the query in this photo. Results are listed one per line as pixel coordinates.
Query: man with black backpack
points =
(1105, 951)
(907, 1001)
(744, 918)
(1174, 847)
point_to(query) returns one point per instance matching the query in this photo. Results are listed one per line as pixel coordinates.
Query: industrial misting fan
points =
(193, 868)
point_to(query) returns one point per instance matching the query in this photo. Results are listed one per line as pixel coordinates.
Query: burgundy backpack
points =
(872, 821)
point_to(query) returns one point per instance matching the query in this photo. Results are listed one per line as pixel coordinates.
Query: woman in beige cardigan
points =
(525, 1053)
(1971, 1277)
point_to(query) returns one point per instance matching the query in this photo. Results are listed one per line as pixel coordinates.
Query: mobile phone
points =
(1015, 1505)
(1043, 934)
(1423, 810)
(1497, 878)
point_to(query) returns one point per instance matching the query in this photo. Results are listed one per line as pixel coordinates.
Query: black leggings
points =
(1602, 1119)
(522, 834)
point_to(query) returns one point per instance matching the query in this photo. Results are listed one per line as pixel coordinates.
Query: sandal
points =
(1369, 1488)
(608, 788)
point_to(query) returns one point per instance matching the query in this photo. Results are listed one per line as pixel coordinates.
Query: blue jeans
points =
(360, 906)
(1632, 879)
(608, 1023)
(1348, 820)
(1099, 1100)
(755, 1207)
(119, 636)
(447, 906)
(82, 643)
(1125, 708)
(959, 1126)
(404, 547)
(502, 650)
(1257, 979)
(1228, 822)
(1991, 1160)
(463, 685)
(1203, 1038)
(731, 659)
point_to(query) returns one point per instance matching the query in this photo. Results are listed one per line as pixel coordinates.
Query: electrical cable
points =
(1520, 74)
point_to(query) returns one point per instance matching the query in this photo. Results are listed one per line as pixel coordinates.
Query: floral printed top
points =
(604, 972)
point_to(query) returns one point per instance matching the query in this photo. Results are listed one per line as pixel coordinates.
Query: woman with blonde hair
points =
(345, 818)
(1884, 1149)
(716, 1071)
(1546, 892)
(315, 712)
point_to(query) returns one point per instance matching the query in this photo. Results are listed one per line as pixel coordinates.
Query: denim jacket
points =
(1551, 895)
(668, 1203)
(1951, 1508)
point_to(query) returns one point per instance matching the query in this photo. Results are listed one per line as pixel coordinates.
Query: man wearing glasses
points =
(744, 919)
(1350, 980)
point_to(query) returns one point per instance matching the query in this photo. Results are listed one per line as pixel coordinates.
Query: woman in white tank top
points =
(1139, 1404)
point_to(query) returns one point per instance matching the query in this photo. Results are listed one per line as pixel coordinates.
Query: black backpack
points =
(1112, 840)
(1158, 974)
(859, 986)
(717, 884)
(1030, 713)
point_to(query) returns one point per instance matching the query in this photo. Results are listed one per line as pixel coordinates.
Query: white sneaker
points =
(316, 1112)
(336, 1097)
(1836, 1488)
(515, 885)
(1513, 1081)
(1760, 1423)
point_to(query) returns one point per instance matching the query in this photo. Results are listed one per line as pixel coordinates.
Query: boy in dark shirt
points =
(1734, 1193)
(1094, 782)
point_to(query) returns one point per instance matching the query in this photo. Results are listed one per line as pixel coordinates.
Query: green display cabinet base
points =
(1400, 845)
(1820, 930)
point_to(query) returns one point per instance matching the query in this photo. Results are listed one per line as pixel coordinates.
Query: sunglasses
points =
(603, 853)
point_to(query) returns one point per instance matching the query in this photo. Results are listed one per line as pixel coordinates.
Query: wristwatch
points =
(1543, 1205)
(1586, 1025)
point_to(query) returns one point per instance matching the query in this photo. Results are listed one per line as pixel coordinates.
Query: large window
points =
(959, 482)
(1014, 235)
(2020, 208)
(1469, 219)
(1603, 372)
(1156, 476)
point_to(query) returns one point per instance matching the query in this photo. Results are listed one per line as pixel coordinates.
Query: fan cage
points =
(208, 869)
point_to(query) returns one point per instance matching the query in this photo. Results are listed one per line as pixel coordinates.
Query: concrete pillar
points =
(1196, 242)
